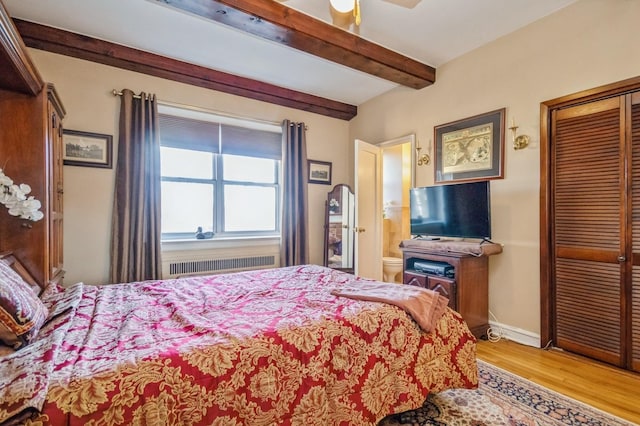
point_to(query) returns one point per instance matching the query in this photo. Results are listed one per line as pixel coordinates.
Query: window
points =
(218, 178)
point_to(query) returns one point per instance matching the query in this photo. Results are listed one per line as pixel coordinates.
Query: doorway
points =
(396, 183)
(385, 194)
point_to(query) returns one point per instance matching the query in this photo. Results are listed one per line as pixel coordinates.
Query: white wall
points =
(85, 89)
(588, 44)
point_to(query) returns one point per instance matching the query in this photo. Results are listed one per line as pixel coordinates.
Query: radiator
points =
(184, 263)
(216, 266)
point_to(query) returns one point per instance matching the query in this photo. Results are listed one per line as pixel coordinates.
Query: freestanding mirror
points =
(338, 228)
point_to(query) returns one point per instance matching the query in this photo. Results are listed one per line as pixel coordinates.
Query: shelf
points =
(453, 247)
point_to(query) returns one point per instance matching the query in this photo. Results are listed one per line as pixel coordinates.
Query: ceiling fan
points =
(344, 13)
(350, 9)
(345, 7)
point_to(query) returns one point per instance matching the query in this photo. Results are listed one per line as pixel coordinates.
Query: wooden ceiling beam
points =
(79, 46)
(273, 21)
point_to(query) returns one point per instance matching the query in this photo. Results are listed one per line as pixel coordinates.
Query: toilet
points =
(392, 269)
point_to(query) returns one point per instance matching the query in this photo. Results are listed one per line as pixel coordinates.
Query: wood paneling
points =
(90, 49)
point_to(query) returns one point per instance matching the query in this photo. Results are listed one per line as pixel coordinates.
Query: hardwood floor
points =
(600, 385)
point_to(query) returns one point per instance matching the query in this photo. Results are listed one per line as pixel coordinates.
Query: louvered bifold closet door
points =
(588, 229)
(635, 232)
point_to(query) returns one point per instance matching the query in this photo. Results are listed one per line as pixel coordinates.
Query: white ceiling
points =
(433, 32)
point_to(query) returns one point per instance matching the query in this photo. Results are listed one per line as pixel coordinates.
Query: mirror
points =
(338, 228)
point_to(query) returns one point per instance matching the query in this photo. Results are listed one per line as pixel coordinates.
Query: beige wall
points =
(588, 44)
(85, 89)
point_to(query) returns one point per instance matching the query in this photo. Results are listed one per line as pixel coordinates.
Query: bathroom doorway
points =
(398, 177)
(373, 178)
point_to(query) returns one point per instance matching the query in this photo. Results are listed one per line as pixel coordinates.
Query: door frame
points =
(547, 290)
(379, 148)
(411, 139)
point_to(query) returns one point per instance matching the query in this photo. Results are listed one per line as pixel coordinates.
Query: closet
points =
(590, 223)
(30, 152)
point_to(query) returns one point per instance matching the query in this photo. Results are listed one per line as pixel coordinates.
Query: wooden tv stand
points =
(467, 288)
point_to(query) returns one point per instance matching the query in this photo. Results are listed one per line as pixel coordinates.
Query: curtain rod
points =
(173, 104)
(116, 93)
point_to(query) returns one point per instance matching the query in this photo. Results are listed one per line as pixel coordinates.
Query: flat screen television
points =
(452, 210)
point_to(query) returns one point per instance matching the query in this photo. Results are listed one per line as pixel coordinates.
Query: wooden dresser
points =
(31, 116)
(457, 270)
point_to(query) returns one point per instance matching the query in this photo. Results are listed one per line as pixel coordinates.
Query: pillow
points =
(10, 259)
(22, 313)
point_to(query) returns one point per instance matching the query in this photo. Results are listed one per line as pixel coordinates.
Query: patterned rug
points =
(502, 399)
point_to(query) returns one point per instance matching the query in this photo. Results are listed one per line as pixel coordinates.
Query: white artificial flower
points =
(32, 203)
(36, 215)
(14, 198)
(25, 188)
(15, 210)
(5, 197)
(5, 180)
(17, 193)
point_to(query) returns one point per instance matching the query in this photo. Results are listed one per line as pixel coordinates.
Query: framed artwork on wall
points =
(470, 149)
(319, 172)
(87, 149)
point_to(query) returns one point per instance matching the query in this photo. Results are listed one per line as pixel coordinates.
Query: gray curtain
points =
(295, 229)
(135, 238)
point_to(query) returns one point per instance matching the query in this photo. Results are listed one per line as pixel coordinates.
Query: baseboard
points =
(515, 334)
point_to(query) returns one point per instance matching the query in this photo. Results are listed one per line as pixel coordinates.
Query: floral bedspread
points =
(254, 348)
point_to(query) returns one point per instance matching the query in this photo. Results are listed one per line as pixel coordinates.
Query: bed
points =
(263, 347)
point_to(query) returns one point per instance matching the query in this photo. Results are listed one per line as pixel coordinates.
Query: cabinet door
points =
(635, 232)
(446, 287)
(55, 196)
(419, 280)
(589, 228)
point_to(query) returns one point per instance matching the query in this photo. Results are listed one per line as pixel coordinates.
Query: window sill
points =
(221, 242)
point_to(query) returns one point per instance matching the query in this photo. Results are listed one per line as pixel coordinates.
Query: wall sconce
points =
(422, 159)
(521, 141)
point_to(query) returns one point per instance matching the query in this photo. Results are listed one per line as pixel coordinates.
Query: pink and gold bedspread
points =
(254, 348)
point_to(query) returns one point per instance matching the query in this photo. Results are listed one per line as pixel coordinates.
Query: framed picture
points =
(86, 149)
(319, 172)
(470, 149)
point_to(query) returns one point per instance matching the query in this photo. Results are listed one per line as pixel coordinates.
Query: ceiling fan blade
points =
(351, 20)
(409, 4)
(342, 20)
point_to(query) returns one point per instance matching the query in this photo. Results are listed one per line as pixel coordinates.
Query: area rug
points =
(501, 399)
